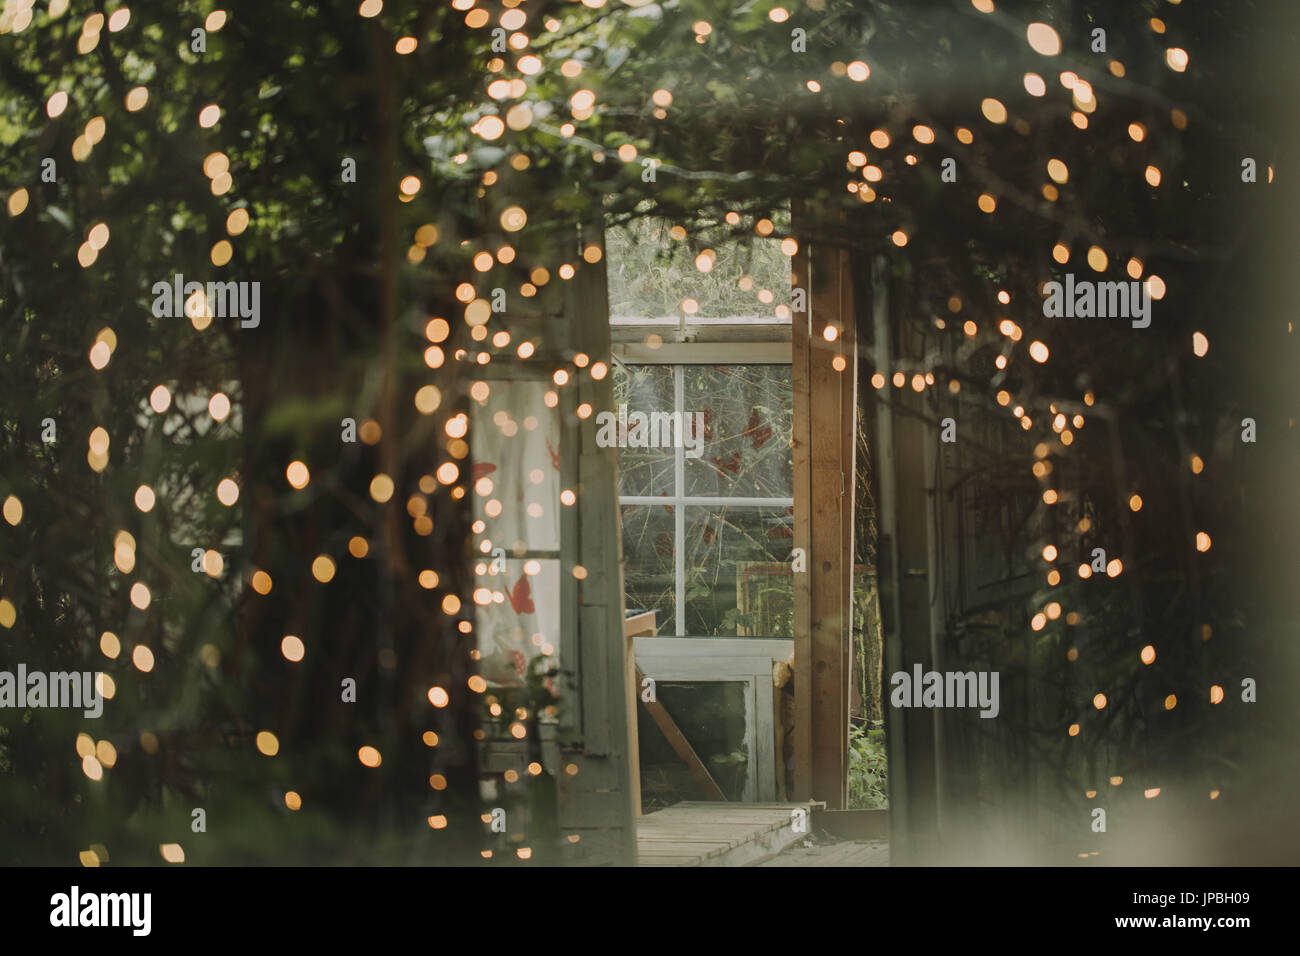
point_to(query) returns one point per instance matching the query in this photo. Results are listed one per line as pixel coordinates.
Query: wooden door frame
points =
(825, 444)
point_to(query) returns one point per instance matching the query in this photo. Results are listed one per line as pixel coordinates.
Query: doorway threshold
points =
(702, 833)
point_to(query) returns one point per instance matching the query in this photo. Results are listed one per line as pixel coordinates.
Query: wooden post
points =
(800, 347)
(906, 562)
(885, 493)
(825, 427)
(600, 803)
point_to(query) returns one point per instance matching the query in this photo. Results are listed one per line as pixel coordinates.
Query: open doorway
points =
(703, 417)
(704, 421)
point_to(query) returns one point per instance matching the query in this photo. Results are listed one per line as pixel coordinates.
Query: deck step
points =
(716, 834)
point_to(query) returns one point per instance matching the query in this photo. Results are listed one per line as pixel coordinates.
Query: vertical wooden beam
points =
(938, 553)
(906, 573)
(633, 685)
(800, 346)
(885, 492)
(825, 387)
(834, 404)
(599, 803)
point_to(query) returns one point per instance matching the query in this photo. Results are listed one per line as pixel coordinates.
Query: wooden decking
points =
(847, 853)
(715, 834)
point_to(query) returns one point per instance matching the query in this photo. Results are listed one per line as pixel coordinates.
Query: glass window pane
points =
(748, 422)
(725, 596)
(646, 389)
(711, 716)
(648, 562)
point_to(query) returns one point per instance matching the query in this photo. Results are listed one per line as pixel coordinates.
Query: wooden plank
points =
(831, 554)
(663, 668)
(681, 648)
(592, 615)
(855, 824)
(778, 741)
(914, 823)
(825, 444)
(721, 826)
(642, 625)
(888, 579)
(713, 811)
(800, 371)
(701, 812)
(763, 847)
(693, 824)
(681, 746)
(712, 834)
(835, 725)
(631, 693)
(633, 627)
(672, 861)
(836, 855)
(765, 734)
(713, 828)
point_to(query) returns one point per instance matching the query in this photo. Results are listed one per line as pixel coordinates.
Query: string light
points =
(441, 352)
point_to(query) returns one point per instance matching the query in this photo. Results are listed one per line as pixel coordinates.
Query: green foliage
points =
(651, 274)
(303, 85)
(868, 766)
(298, 88)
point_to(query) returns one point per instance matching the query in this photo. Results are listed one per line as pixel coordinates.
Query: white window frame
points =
(678, 355)
(745, 660)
